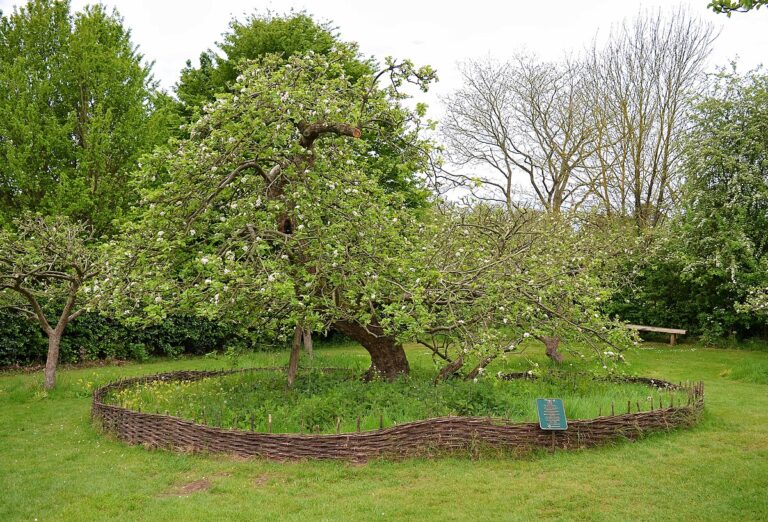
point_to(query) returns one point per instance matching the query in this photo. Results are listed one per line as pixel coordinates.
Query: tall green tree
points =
(724, 227)
(259, 34)
(709, 271)
(76, 112)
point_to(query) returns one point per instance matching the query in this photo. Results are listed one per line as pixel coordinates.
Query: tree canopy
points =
(76, 112)
(256, 36)
(45, 265)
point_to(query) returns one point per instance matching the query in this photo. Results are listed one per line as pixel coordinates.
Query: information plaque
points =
(551, 414)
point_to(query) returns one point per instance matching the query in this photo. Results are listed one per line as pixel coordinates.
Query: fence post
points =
(338, 425)
(269, 423)
(358, 423)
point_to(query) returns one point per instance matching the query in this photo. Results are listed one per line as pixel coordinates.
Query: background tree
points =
(44, 266)
(258, 35)
(76, 112)
(643, 78)
(700, 272)
(724, 227)
(523, 119)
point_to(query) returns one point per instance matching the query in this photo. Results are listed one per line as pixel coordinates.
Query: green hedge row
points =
(93, 337)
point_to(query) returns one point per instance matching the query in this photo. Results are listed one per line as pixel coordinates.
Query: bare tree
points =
(555, 120)
(641, 81)
(524, 118)
(479, 131)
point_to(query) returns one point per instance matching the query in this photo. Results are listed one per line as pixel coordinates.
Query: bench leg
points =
(672, 339)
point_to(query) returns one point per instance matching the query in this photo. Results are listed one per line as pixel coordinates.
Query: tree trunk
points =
(551, 344)
(388, 358)
(54, 340)
(308, 343)
(293, 362)
(449, 369)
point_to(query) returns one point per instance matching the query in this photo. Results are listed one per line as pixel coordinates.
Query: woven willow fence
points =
(424, 437)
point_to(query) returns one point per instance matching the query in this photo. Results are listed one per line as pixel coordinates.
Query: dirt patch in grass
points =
(263, 479)
(196, 486)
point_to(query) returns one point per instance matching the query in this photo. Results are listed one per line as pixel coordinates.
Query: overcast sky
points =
(438, 33)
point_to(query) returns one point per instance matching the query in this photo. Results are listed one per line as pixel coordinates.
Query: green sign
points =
(551, 414)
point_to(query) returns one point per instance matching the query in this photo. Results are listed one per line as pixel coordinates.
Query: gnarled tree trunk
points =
(551, 344)
(388, 358)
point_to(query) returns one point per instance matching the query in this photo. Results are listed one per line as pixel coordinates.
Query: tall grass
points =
(319, 400)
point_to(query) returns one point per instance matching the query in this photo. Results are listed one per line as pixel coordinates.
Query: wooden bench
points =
(673, 332)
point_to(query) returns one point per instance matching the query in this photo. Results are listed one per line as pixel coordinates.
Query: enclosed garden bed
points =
(330, 414)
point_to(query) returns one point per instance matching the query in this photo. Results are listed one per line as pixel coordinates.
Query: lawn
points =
(55, 466)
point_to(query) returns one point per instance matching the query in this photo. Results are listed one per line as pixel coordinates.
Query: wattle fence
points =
(419, 438)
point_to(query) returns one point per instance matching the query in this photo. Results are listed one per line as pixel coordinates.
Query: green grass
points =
(55, 466)
(749, 371)
(318, 399)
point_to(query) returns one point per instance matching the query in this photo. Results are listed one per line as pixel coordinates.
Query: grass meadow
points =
(54, 465)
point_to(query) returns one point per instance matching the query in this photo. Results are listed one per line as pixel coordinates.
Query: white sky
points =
(438, 33)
